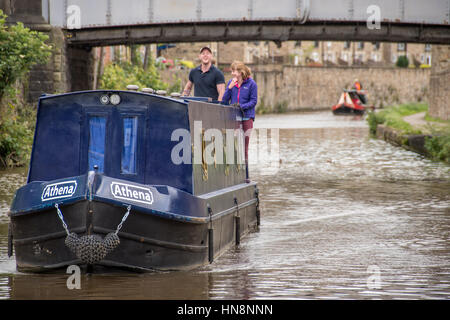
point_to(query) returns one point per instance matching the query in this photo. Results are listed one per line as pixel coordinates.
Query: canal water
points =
(344, 216)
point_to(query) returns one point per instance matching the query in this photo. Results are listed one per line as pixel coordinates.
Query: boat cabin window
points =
(130, 131)
(96, 151)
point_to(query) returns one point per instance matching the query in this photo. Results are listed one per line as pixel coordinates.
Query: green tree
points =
(402, 62)
(20, 49)
(120, 74)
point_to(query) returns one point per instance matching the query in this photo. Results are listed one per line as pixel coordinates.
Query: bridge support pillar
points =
(81, 68)
(68, 69)
(439, 95)
(50, 77)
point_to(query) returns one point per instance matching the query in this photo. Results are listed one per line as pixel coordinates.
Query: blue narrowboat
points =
(119, 179)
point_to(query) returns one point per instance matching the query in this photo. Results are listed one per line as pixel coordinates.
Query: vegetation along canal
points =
(344, 216)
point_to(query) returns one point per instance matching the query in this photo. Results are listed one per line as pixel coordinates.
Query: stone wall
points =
(308, 88)
(440, 83)
(68, 69)
(51, 77)
(315, 88)
(59, 61)
(81, 68)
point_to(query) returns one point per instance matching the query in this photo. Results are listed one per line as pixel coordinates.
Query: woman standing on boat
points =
(242, 91)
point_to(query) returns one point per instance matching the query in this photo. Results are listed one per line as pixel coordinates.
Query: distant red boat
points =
(349, 103)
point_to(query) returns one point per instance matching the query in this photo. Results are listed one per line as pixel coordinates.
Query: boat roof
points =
(126, 135)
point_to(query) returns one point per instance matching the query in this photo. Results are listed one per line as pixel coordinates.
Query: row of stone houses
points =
(312, 53)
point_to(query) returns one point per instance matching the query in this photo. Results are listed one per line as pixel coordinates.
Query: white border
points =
(132, 186)
(55, 184)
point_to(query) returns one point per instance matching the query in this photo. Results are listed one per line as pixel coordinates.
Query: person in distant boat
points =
(242, 91)
(208, 81)
(359, 91)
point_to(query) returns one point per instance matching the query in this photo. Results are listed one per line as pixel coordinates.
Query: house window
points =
(394, 58)
(360, 45)
(376, 45)
(330, 57)
(316, 44)
(315, 56)
(347, 45)
(96, 151)
(401, 46)
(427, 47)
(130, 125)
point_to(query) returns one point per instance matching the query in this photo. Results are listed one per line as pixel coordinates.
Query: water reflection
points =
(158, 285)
(10, 180)
(338, 203)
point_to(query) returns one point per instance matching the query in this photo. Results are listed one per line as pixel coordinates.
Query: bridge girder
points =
(258, 31)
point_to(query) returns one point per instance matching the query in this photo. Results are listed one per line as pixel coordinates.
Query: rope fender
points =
(91, 248)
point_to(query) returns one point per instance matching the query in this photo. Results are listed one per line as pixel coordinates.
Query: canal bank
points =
(410, 127)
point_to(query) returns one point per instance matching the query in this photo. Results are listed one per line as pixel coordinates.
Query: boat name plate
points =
(63, 189)
(130, 192)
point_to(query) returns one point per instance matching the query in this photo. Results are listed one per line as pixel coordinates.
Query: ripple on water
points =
(335, 204)
(10, 181)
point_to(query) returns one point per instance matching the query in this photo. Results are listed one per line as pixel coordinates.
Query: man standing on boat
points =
(208, 80)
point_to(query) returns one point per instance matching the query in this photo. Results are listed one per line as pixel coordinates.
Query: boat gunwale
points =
(161, 214)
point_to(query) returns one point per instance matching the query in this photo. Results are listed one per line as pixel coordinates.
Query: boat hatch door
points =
(114, 141)
(130, 164)
(94, 151)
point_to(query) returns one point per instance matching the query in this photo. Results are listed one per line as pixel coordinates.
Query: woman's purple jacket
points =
(248, 96)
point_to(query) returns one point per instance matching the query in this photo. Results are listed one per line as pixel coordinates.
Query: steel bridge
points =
(109, 22)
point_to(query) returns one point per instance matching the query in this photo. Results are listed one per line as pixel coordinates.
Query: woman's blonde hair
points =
(242, 69)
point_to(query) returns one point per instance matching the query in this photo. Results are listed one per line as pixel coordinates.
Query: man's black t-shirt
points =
(205, 84)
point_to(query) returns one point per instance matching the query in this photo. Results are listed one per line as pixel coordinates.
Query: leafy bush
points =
(438, 145)
(120, 74)
(188, 64)
(16, 135)
(393, 117)
(176, 85)
(374, 119)
(281, 106)
(402, 62)
(20, 49)
(261, 107)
